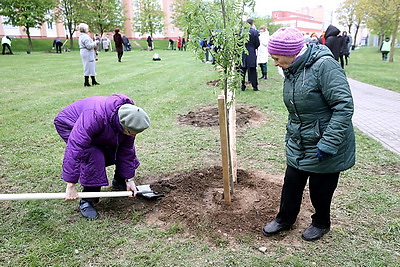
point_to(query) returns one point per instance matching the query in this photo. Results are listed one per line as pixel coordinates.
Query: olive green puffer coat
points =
(318, 98)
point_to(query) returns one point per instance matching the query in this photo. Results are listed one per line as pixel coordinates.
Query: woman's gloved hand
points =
(321, 155)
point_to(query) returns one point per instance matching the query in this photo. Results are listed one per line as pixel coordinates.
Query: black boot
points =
(94, 80)
(86, 81)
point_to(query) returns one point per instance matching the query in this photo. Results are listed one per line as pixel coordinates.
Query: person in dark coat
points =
(150, 46)
(320, 140)
(118, 44)
(346, 44)
(332, 40)
(99, 131)
(249, 61)
(57, 44)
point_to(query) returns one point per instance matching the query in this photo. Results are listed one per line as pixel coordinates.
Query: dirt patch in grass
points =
(195, 198)
(207, 116)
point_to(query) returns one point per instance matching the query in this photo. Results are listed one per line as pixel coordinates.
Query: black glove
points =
(321, 155)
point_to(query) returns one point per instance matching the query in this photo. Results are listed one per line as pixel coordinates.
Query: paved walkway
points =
(377, 113)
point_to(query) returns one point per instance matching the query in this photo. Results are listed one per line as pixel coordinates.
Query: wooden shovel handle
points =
(29, 196)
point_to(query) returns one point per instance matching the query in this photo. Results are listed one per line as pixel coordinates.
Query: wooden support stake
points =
(224, 148)
(232, 136)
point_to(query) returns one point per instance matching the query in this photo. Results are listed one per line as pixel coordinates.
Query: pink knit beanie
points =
(286, 42)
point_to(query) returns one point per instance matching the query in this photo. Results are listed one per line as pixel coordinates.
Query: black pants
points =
(120, 55)
(252, 75)
(384, 55)
(8, 47)
(58, 47)
(91, 189)
(341, 60)
(322, 187)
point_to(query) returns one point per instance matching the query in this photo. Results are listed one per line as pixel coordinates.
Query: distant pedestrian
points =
(385, 48)
(171, 44)
(106, 43)
(249, 59)
(57, 43)
(127, 45)
(332, 40)
(97, 38)
(88, 54)
(179, 43)
(6, 43)
(150, 45)
(118, 44)
(262, 51)
(345, 48)
(183, 43)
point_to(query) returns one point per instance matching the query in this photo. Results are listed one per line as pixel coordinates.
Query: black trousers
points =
(119, 55)
(322, 187)
(8, 47)
(58, 47)
(252, 75)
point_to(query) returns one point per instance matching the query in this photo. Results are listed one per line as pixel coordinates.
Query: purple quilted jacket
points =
(95, 139)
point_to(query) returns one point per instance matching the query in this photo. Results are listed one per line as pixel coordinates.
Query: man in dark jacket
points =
(99, 131)
(332, 40)
(57, 44)
(249, 61)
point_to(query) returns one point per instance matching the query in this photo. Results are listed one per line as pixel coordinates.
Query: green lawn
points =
(35, 87)
(366, 65)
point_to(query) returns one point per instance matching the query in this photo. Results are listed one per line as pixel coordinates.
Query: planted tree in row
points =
(26, 13)
(149, 17)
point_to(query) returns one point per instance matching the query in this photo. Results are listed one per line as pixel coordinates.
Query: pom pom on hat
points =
(286, 42)
(133, 118)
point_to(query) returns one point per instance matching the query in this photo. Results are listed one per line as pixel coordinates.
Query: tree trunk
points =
(29, 38)
(355, 35)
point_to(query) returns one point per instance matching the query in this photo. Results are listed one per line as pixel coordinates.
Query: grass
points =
(35, 87)
(366, 65)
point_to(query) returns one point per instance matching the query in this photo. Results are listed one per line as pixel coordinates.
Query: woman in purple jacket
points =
(99, 131)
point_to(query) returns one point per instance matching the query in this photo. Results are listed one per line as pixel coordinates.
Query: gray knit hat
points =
(133, 118)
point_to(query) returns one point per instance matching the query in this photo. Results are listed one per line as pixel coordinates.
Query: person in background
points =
(97, 38)
(171, 44)
(150, 46)
(249, 60)
(88, 54)
(262, 51)
(99, 131)
(345, 52)
(385, 48)
(118, 44)
(6, 43)
(57, 44)
(106, 43)
(179, 43)
(332, 40)
(320, 140)
(183, 44)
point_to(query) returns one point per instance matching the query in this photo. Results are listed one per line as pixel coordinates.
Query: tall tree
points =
(351, 13)
(26, 13)
(149, 17)
(377, 18)
(102, 15)
(67, 12)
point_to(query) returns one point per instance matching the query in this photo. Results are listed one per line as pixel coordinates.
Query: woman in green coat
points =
(320, 139)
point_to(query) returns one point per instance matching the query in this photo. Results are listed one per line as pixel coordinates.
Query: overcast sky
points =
(265, 7)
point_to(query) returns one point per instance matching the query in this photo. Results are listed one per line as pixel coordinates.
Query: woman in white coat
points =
(262, 56)
(88, 54)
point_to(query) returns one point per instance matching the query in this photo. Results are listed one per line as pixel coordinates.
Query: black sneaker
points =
(118, 185)
(274, 227)
(313, 233)
(87, 210)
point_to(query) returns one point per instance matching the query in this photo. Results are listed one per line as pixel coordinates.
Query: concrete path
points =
(377, 113)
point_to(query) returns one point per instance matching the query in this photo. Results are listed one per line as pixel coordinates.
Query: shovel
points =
(142, 190)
